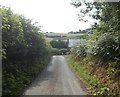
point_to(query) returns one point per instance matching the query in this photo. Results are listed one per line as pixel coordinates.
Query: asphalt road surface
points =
(56, 79)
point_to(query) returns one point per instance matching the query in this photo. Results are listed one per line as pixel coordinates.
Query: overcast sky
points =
(54, 15)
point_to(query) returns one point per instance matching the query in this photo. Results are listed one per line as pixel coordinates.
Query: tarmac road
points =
(56, 79)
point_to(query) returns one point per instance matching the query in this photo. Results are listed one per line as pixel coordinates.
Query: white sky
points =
(54, 15)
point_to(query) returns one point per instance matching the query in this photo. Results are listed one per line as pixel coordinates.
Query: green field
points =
(64, 35)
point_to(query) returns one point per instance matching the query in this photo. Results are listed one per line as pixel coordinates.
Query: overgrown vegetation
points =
(99, 55)
(59, 43)
(24, 53)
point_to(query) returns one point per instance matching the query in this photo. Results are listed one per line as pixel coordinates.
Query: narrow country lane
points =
(56, 79)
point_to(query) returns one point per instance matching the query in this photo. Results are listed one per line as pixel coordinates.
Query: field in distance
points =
(63, 35)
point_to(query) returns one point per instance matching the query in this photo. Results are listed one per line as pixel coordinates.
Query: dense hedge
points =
(24, 51)
(101, 49)
(103, 42)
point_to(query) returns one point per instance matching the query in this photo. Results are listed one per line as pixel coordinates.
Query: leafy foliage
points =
(79, 51)
(59, 43)
(24, 51)
(103, 42)
(105, 47)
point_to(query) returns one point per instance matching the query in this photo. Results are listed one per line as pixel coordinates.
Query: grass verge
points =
(83, 73)
(96, 78)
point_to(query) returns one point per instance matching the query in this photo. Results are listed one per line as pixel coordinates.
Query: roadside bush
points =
(80, 51)
(24, 52)
(105, 47)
